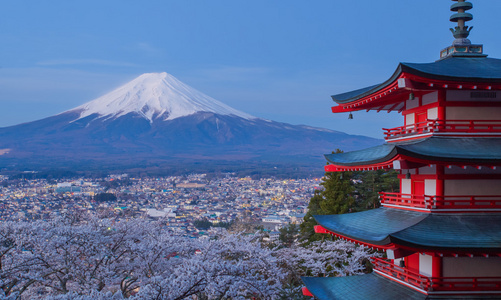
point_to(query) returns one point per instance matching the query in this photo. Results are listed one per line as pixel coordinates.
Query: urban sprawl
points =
(179, 200)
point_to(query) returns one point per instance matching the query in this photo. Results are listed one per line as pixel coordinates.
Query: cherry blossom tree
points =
(93, 258)
(322, 259)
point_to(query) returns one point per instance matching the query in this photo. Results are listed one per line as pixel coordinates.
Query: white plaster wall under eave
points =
(425, 264)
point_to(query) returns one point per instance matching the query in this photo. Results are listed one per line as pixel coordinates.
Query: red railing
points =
(449, 126)
(401, 273)
(468, 126)
(429, 284)
(417, 128)
(442, 202)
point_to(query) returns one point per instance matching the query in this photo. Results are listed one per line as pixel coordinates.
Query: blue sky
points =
(279, 60)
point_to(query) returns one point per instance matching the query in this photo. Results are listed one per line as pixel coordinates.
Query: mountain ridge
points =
(117, 130)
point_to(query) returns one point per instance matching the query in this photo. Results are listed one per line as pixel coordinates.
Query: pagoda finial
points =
(461, 32)
(462, 45)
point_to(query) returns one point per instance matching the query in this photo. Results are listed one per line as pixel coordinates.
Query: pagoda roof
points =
(429, 231)
(433, 149)
(374, 286)
(453, 69)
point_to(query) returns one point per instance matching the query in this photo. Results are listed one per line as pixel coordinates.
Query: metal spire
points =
(461, 17)
(462, 46)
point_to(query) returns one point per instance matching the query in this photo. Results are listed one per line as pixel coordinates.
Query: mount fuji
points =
(156, 121)
(155, 96)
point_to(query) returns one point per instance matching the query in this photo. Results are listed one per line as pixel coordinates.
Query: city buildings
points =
(179, 200)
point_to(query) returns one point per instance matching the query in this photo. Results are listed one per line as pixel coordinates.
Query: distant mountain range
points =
(156, 121)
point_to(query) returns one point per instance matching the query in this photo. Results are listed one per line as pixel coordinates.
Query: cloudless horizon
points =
(278, 60)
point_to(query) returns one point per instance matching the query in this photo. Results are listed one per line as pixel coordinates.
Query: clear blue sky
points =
(279, 60)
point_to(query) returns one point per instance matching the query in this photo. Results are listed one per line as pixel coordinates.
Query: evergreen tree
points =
(203, 224)
(288, 235)
(369, 185)
(105, 197)
(335, 198)
(337, 195)
(341, 195)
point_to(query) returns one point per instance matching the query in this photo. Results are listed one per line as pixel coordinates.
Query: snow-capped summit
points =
(156, 122)
(153, 96)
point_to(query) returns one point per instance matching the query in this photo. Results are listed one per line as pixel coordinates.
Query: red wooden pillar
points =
(440, 185)
(436, 268)
(412, 262)
(441, 113)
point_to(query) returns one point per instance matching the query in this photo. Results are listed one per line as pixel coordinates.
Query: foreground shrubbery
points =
(68, 258)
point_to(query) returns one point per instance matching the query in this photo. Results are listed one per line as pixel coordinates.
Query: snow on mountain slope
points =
(155, 121)
(155, 95)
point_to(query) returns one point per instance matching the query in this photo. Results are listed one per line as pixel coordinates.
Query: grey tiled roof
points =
(364, 287)
(462, 69)
(382, 226)
(458, 68)
(440, 149)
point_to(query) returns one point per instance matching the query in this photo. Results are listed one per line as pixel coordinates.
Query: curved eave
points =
(465, 151)
(374, 286)
(370, 157)
(368, 91)
(371, 227)
(438, 232)
(475, 151)
(447, 73)
(459, 232)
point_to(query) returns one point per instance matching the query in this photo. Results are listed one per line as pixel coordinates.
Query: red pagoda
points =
(442, 233)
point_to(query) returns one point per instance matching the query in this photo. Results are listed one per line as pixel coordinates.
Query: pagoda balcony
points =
(441, 202)
(430, 284)
(445, 127)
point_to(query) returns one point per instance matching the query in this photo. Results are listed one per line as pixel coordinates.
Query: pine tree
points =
(371, 183)
(288, 235)
(336, 198)
(342, 195)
